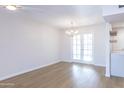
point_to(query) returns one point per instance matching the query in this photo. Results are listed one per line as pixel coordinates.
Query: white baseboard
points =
(28, 70)
(100, 65)
(69, 61)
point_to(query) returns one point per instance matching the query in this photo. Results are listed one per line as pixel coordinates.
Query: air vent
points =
(121, 6)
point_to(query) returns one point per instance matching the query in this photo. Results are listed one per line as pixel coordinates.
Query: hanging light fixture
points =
(11, 7)
(72, 31)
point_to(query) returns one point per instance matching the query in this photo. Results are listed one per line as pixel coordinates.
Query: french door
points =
(83, 48)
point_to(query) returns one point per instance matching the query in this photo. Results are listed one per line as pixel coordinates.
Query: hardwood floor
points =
(64, 75)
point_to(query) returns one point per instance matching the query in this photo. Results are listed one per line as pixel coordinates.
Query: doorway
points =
(83, 48)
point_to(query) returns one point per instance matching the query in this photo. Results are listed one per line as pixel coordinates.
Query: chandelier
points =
(71, 31)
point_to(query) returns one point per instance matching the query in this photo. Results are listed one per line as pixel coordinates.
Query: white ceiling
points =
(61, 16)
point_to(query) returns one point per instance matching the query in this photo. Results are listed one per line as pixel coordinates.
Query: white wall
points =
(119, 45)
(25, 44)
(101, 43)
(120, 40)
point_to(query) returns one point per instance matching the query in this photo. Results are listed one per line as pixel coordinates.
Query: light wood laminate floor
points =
(64, 75)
